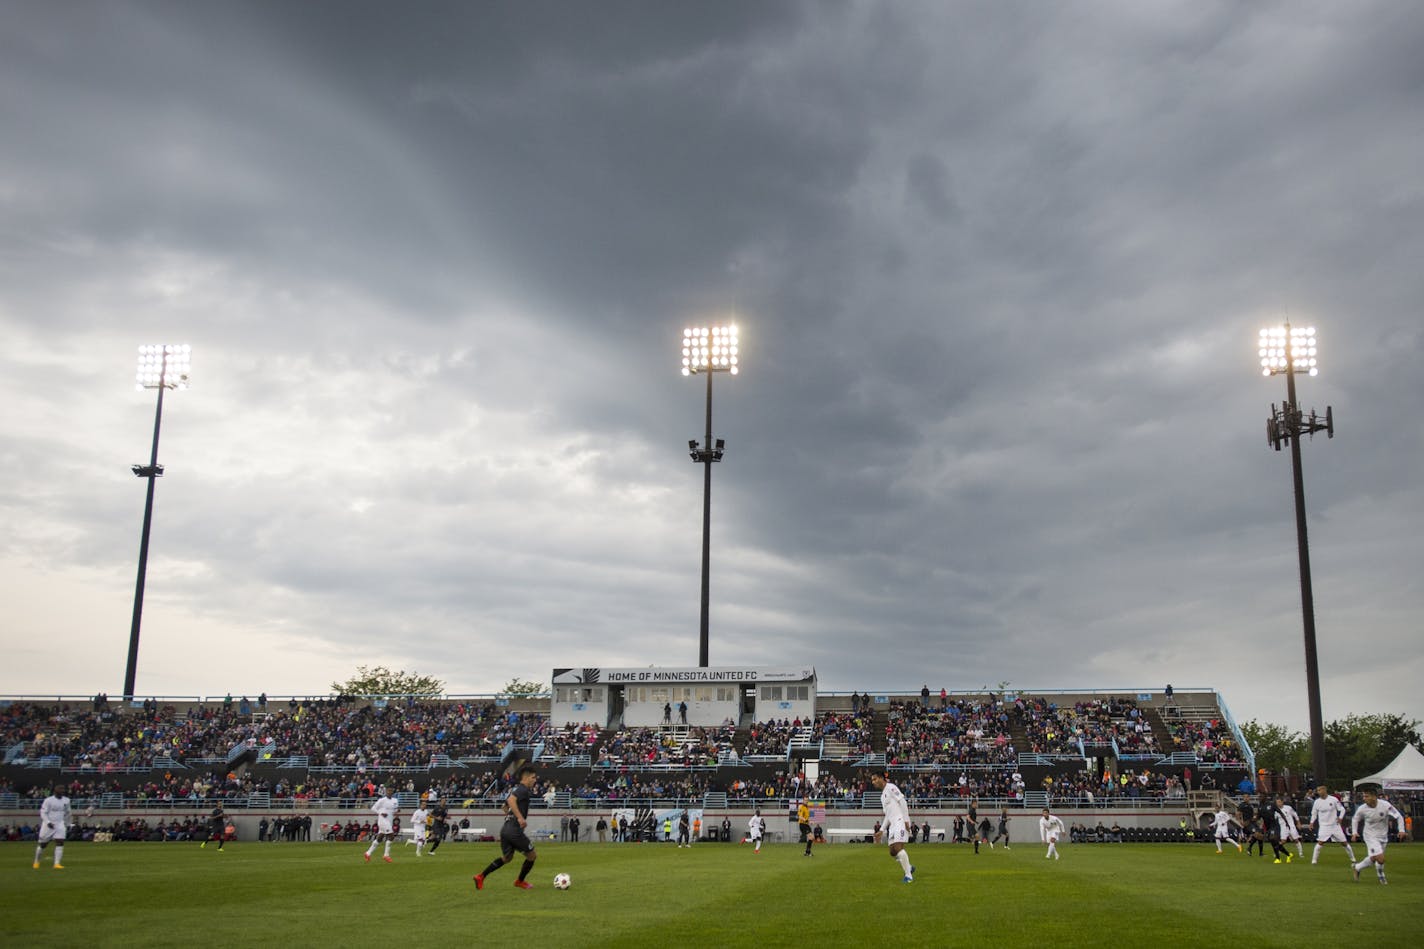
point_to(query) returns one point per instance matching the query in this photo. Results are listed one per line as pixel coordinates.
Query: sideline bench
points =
(852, 833)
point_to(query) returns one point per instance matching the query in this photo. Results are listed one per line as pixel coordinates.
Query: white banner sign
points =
(644, 676)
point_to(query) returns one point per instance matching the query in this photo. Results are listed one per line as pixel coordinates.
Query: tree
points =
(524, 687)
(1276, 747)
(379, 680)
(1359, 745)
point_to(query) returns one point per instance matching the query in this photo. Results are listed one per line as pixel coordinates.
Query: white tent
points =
(1404, 773)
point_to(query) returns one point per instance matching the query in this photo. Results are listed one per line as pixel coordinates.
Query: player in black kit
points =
(512, 836)
(440, 820)
(1271, 829)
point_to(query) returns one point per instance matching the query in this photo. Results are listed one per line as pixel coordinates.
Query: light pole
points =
(161, 368)
(1286, 350)
(708, 350)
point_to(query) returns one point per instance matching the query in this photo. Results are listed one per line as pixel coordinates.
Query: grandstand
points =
(617, 739)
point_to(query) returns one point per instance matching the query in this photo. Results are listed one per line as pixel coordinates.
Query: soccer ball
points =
(561, 881)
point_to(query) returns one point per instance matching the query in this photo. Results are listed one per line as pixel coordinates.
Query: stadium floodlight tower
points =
(1288, 350)
(708, 350)
(162, 368)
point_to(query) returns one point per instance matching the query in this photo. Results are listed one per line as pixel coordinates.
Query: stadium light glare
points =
(160, 367)
(708, 350)
(1291, 350)
(1282, 348)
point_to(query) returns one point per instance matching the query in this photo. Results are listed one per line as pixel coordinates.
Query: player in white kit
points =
(385, 809)
(756, 827)
(1325, 816)
(418, 819)
(54, 824)
(1222, 822)
(1372, 820)
(897, 820)
(1289, 822)
(1050, 828)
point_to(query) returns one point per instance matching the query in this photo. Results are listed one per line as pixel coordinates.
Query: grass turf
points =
(722, 895)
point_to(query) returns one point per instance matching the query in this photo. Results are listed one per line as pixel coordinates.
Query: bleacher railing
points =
(109, 804)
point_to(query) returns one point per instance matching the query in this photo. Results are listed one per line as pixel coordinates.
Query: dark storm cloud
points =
(998, 268)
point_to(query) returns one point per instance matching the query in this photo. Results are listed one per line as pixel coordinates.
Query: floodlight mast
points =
(1286, 350)
(708, 350)
(159, 367)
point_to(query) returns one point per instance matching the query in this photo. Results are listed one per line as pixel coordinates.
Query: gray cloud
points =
(998, 272)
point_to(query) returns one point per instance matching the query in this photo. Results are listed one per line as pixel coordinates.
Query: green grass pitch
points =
(722, 895)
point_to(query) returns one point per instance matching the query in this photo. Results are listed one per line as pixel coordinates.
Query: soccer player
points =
(217, 828)
(897, 819)
(756, 827)
(1290, 825)
(1271, 823)
(803, 824)
(512, 836)
(1222, 822)
(684, 830)
(440, 820)
(54, 824)
(418, 820)
(1249, 828)
(971, 823)
(385, 810)
(1325, 816)
(1373, 818)
(1003, 829)
(1050, 828)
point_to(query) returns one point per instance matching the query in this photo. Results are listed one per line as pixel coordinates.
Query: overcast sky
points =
(998, 269)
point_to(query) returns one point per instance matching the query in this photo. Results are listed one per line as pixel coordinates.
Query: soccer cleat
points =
(479, 881)
(1384, 882)
(366, 857)
(909, 879)
(1288, 858)
(1277, 860)
(523, 885)
(202, 845)
(388, 859)
(1357, 873)
(36, 864)
(59, 866)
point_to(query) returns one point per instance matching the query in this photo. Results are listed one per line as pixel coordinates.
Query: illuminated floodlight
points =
(709, 349)
(1287, 348)
(165, 366)
(1291, 351)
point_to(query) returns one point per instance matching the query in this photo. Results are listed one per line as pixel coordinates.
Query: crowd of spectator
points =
(1088, 789)
(772, 737)
(1049, 729)
(853, 729)
(352, 745)
(696, 747)
(332, 732)
(1107, 721)
(1209, 739)
(958, 732)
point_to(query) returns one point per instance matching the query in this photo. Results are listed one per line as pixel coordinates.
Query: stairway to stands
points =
(879, 721)
(1019, 734)
(1160, 732)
